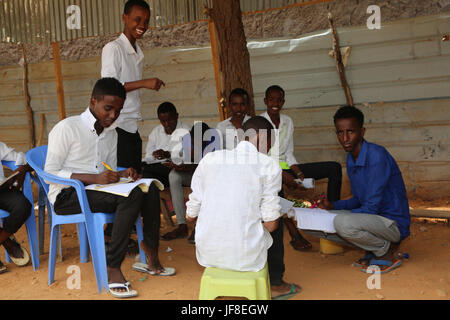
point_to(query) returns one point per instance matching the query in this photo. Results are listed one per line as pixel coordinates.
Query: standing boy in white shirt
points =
(123, 59)
(238, 102)
(77, 148)
(161, 141)
(236, 204)
(284, 152)
(13, 201)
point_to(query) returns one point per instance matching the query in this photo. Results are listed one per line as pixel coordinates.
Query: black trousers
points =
(156, 171)
(19, 208)
(129, 149)
(321, 170)
(126, 211)
(275, 256)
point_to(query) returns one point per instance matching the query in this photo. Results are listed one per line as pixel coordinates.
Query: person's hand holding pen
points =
(108, 176)
(113, 176)
(323, 203)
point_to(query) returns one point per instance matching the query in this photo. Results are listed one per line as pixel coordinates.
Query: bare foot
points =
(152, 258)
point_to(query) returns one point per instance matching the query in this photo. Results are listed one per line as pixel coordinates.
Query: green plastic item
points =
(226, 283)
(284, 165)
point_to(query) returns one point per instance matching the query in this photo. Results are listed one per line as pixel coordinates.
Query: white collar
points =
(130, 50)
(89, 120)
(245, 145)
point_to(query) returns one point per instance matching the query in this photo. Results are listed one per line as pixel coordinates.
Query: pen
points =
(106, 166)
(317, 202)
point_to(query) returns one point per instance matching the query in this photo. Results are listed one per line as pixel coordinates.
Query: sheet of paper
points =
(315, 219)
(286, 205)
(153, 161)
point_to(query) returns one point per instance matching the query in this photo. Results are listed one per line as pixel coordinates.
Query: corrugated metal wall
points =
(36, 21)
(398, 75)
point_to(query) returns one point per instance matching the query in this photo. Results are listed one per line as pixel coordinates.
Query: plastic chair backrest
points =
(36, 158)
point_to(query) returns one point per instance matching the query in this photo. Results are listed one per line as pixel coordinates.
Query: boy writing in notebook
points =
(160, 143)
(77, 147)
(376, 219)
(235, 202)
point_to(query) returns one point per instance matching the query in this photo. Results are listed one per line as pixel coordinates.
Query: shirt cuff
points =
(66, 174)
(21, 160)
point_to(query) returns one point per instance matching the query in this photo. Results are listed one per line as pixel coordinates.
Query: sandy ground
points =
(426, 275)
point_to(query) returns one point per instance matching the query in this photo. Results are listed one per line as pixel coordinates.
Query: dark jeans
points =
(129, 149)
(275, 254)
(19, 208)
(157, 171)
(126, 211)
(321, 170)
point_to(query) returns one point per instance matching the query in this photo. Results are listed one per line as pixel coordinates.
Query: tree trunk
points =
(234, 59)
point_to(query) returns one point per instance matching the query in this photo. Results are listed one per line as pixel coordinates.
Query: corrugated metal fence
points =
(36, 21)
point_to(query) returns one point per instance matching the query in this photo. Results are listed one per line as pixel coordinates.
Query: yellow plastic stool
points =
(330, 247)
(219, 282)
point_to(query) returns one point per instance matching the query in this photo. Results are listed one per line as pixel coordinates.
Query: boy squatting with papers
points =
(376, 218)
(235, 234)
(77, 146)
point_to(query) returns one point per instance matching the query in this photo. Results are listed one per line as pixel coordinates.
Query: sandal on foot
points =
(130, 293)
(306, 245)
(292, 292)
(384, 265)
(364, 261)
(143, 267)
(25, 255)
(3, 268)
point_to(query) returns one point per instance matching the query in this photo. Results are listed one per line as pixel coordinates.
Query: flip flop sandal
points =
(122, 294)
(143, 267)
(364, 261)
(307, 246)
(290, 294)
(391, 265)
(20, 261)
(3, 268)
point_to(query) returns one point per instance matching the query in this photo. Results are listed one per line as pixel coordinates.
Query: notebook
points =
(315, 219)
(125, 186)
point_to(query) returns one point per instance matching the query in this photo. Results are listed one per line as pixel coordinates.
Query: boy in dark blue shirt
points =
(376, 218)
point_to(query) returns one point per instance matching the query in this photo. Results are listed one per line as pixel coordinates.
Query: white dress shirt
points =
(121, 61)
(75, 147)
(283, 148)
(159, 139)
(9, 154)
(233, 192)
(229, 133)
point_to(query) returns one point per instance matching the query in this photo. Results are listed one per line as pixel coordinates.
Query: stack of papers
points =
(315, 219)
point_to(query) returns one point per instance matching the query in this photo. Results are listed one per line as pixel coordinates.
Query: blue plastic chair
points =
(90, 225)
(30, 223)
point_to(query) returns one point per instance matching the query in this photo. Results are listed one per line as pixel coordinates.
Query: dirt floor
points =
(426, 275)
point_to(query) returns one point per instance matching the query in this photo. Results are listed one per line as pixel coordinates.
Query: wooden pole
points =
(221, 100)
(339, 64)
(59, 81)
(28, 109)
(41, 128)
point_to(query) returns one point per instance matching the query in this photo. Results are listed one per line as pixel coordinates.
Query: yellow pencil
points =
(106, 166)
